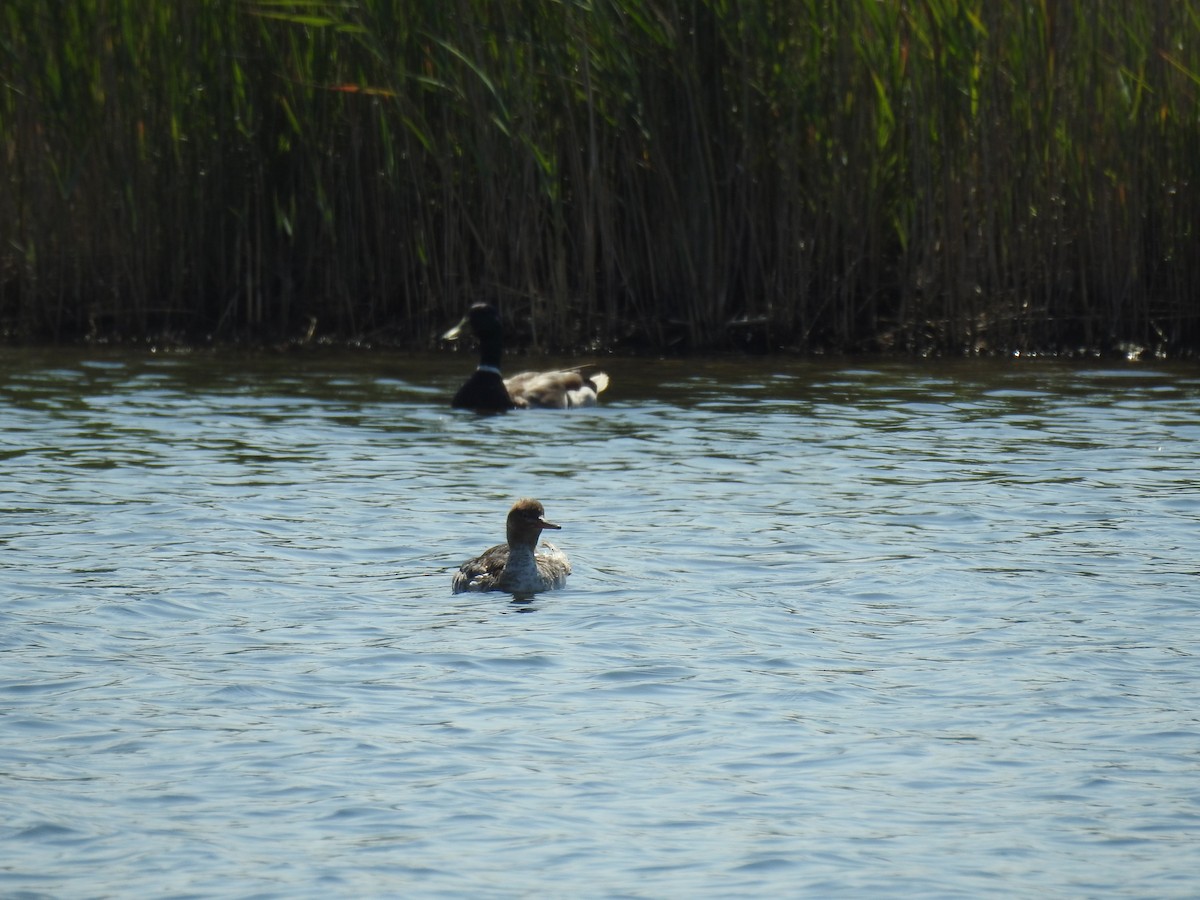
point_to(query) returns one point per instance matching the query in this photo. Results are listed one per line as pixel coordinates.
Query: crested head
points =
(526, 520)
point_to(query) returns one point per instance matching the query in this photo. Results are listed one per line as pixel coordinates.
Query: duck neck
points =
(521, 541)
(491, 348)
(520, 552)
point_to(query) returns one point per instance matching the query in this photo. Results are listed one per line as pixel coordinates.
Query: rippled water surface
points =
(835, 629)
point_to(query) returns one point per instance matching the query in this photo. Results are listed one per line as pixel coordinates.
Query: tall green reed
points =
(913, 175)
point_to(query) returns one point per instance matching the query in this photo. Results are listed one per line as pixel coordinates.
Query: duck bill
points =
(546, 524)
(454, 333)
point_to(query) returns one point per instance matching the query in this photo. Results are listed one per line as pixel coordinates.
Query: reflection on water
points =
(835, 628)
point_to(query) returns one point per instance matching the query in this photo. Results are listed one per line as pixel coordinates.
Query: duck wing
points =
(563, 389)
(483, 572)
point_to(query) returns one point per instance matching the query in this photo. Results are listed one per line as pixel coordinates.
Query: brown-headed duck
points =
(517, 567)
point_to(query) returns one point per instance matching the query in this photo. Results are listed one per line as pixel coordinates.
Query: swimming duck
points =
(516, 567)
(488, 391)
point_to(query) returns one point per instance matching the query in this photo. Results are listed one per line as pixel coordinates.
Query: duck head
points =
(526, 520)
(484, 322)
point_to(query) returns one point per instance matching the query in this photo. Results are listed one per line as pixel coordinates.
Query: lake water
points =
(835, 629)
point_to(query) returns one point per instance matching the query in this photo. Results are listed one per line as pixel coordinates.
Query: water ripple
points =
(834, 629)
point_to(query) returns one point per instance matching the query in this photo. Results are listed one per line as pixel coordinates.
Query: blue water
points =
(834, 629)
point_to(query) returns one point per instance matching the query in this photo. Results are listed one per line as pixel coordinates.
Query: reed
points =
(920, 176)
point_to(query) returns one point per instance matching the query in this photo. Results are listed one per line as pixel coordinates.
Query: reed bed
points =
(929, 176)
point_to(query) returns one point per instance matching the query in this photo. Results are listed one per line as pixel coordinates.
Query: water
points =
(835, 629)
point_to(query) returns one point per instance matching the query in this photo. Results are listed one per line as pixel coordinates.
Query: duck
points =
(517, 567)
(488, 391)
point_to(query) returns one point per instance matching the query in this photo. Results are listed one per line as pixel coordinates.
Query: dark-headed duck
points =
(488, 391)
(517, 567)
